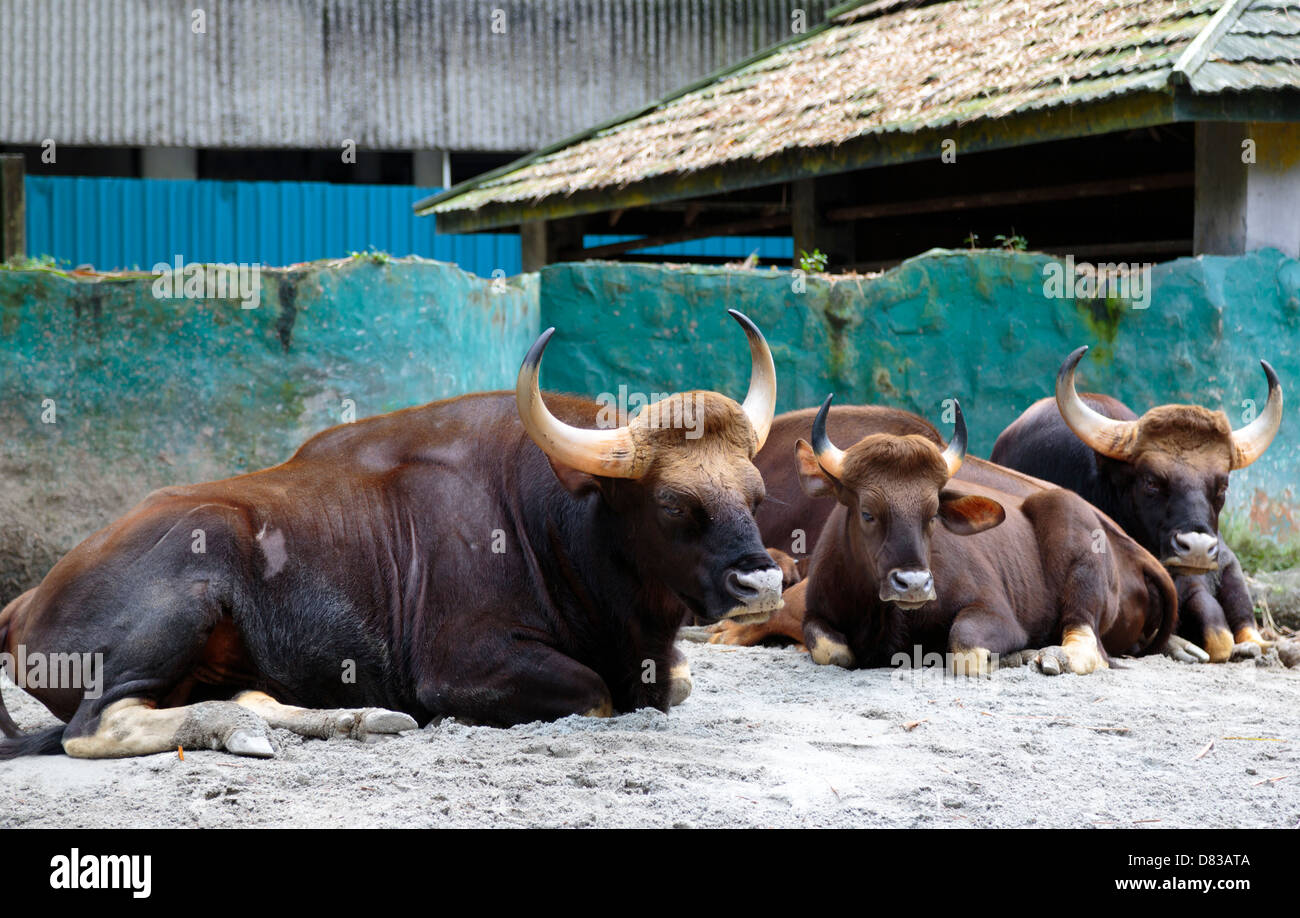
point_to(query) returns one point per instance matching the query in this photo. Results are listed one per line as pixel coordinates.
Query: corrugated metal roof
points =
(905, 70)
(389, 74)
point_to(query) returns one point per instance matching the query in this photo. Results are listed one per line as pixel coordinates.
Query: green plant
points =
(813, 262)
(32, 263)
(1012, 243)
(1256, 551)
(376, 256)
(972, 240)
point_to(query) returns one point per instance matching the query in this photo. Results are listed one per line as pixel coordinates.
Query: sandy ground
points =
(767, 739)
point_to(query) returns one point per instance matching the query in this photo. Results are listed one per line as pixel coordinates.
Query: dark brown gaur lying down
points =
(1163, 477)
(910, 557)
(433, 561)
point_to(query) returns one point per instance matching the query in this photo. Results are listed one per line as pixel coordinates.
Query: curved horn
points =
(1105, 435)
(610, 453)
(760, 401)
(829, 456)
(1249, 443)
(955, 451)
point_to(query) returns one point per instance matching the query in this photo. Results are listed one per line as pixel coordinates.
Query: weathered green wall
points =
(971, 325)
(154, 391)
(150, 391)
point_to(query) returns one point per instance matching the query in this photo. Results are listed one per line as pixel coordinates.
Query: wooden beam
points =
(1087, 250)
(1014, 196)
(739, 227)
(1111, 249)
(13, 209)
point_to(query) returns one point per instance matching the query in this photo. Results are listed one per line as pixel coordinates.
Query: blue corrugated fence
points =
(124, 223)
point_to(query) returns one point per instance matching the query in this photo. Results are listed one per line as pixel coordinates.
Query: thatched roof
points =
(899, 68)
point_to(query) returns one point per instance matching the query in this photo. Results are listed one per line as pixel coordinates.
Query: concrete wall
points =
(146, 391)
(975, 326)
(149, 391)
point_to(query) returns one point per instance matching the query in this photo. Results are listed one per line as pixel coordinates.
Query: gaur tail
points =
(7, 725)
(47, 742)
(1164, 597)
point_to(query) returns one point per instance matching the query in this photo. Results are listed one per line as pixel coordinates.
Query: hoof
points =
(1184, 651)
(1247, 650)
(1017, 659)
(1050, 661)
(241, 742)
(680, 683)
(379, 720)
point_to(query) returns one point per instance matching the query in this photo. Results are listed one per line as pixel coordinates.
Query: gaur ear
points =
(575, 482)
(969, 514)
(812, 477)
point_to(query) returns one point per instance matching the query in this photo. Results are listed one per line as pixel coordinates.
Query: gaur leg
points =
(1083, 597)
(159, 633)
(322, 723)
(1201, 617)
(520, 682)
(133, 726)
(980, 635)
(826, 645)
(785, 622)
(1079, 575)
(1234, 598)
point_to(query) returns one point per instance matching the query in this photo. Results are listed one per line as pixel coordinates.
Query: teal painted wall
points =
(152, 391)
(972, 325)
(149, 391)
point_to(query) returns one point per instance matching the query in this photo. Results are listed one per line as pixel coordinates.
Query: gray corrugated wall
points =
(389, 74)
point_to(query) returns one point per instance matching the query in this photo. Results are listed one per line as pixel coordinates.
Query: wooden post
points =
(13, 211)
(810, 199)
(545, 242)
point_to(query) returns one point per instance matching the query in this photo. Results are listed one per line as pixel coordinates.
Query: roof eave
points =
(1125, 112)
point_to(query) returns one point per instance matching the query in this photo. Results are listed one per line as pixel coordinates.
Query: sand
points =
(767, 739)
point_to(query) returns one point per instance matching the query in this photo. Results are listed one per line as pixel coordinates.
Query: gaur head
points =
(1171, 465)
(680, 479)
(894, 491)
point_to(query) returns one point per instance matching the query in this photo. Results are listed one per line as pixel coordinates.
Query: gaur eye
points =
(867, 517)
(670, 510)
(1151, 484)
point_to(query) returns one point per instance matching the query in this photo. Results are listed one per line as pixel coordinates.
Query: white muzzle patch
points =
(767, 598)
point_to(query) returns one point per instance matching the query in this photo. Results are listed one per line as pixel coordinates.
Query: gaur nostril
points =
(911, 581)
(1196, 548)
(738, 588)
